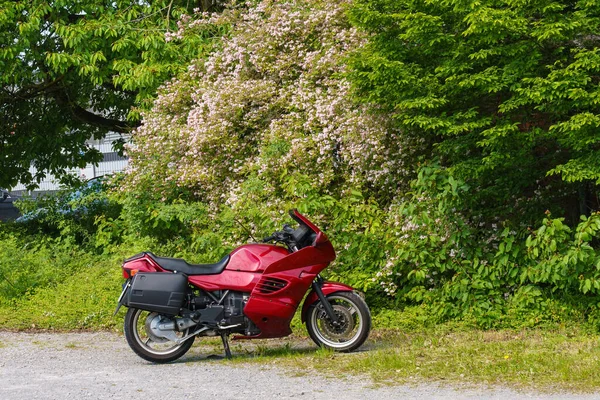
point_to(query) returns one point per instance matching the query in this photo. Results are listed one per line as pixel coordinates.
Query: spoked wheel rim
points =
(350, 323)
(149, 337)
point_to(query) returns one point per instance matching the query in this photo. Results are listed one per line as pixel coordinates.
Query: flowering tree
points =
(270, 107)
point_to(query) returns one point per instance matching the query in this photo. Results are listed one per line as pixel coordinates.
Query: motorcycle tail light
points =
(129, 273)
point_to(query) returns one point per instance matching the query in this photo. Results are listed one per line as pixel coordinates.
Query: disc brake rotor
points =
(344, 326)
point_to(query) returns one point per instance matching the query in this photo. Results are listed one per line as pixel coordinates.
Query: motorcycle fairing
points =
(255, 257)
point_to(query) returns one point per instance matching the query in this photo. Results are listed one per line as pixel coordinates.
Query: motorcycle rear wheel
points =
(354, 322)
(146, 344)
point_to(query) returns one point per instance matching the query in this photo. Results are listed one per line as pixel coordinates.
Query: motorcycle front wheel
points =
(353, 322)
(149, 342)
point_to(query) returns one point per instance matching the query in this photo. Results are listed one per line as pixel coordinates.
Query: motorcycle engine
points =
(227, 312)
(234, 304)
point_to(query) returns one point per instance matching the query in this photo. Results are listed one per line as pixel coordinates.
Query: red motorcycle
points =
(252, 292)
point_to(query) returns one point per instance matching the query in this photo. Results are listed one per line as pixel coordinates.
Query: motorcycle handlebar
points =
(280, 236)
(269, 239)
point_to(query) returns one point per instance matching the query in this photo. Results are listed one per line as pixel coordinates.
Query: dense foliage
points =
(504, 92)
(447, 148)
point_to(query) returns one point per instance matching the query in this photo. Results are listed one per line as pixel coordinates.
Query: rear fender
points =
(327, 288)
(141, 262)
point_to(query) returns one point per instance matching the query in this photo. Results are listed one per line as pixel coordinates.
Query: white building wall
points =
(110, 165)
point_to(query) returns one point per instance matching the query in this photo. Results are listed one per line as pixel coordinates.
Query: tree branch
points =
(88, 117)
(28, 92)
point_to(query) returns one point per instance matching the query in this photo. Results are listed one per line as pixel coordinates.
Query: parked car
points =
(3, 195)
(75, 203)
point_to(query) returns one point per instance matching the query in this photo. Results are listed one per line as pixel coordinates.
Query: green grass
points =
(533, 359)
(84, 301)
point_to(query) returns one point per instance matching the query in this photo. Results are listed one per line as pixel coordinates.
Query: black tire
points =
(135, 331)
(355, 318)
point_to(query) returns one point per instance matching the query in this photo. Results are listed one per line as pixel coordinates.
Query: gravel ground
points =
(101, 366)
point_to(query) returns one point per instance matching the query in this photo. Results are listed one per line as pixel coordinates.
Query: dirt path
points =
(101, 366)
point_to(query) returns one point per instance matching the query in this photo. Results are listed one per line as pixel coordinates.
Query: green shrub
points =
(71, 213)
(33, 262)
(85, 299)
(496, 275)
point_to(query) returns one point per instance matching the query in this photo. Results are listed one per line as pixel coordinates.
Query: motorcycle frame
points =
(259, 269)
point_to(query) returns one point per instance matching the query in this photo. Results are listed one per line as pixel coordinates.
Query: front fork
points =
(316, 286)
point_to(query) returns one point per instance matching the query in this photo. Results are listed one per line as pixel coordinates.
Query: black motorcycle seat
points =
(180, 265)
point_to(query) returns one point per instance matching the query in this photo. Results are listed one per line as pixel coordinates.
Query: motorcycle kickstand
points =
(224, 338)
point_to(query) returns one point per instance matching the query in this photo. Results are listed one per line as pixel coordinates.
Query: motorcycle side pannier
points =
(157, 291)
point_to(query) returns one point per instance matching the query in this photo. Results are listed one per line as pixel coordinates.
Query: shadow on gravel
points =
(243, 353)
(250, 350)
